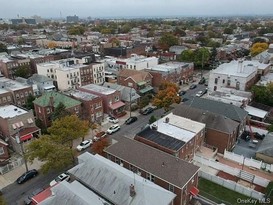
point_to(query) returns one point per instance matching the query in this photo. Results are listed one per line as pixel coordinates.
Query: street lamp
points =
(18, 140)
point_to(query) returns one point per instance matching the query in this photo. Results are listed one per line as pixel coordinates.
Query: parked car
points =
(245, 136)
(84, 144)
(183, 92)
(100, 135)
(27, 176)
(202, 81)
(184, 99)
(61, 177)
(113, 129)
(130, 120)
(112, 120)
(193, 86)
(28, 200)
(199, 93)
(147, 111)
(258, 136)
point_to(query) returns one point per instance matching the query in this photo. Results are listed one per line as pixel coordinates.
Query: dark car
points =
(245, 136)
(130, 120)
(184, 99)
(258, 136)
(147, 111)
(182, 93)
(28, 200)
(27, 176)
(202, 81)
(193, 86)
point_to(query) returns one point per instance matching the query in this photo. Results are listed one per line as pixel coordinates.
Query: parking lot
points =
(243, 148)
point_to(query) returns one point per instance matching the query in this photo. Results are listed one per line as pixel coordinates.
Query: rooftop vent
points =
(132, 190)
(154, 127)
(15, 109)
(167, 120)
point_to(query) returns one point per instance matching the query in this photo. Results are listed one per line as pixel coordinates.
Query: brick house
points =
(91, 107)
(15, 121)
(176, 72)
(221, 132)
(111, 99)
(141, 81)
(14, 92)
(165, 170)
(44, 106)
(4, 153)
(175, 135)
(230, 111)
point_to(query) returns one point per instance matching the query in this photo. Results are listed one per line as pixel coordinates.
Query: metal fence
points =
(232, 186)
(12, 165)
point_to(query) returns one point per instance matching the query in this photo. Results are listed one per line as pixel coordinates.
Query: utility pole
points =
(18, 140)
(130, 107)
(202, 63)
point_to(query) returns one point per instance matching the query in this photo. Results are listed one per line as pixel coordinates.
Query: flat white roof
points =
(234, 68)
(169, 67)
(255, 112)
(99, 89)
(179, 127)
(11, 111)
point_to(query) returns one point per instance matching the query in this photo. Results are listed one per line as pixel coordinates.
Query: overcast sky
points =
(133, 8)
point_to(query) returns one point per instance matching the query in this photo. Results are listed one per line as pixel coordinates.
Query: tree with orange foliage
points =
(52, 44)
(258, 48)
(99, 146)
(167, 95)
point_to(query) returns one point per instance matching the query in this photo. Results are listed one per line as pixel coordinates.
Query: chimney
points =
(132, 190)
(167, 120)
(51, 101)
(240, 66)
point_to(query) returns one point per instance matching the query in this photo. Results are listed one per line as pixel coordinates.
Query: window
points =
(224, 81)
(4, 99)
(228, 82)
(117, 160)
(150, 177)
(26, 94)
(130, 84)
(135, 67)
(116, 98)
(48, 110)
(39, 109)
(1, 151)
(216, 80)
(171, 188)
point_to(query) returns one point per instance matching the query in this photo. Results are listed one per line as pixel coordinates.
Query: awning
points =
(147, 89)
(26, 137)
(116, 105)
(194, 191)
(49, 87)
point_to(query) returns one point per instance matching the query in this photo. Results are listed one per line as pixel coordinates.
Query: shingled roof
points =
(212, 120)
(160, 164)
(136, 75)
(230, 111)
(266, 146)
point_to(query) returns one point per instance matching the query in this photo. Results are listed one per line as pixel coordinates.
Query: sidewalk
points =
(10, 177)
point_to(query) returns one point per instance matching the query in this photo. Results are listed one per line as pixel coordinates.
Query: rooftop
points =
(83, 95)
(99, 89)
(170, 67)
(113, 182)
(44, 100)
(8, 84)
(10, 111)
(244, 69)
(158, 163)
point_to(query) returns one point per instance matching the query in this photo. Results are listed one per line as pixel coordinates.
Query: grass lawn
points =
(219, 194)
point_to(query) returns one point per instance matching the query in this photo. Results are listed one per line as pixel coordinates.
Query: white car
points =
(84, 144)
(60, 178)
(199, 94)
(112, 119)
(113, 129)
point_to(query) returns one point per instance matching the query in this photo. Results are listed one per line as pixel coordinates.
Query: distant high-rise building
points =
(72, 19)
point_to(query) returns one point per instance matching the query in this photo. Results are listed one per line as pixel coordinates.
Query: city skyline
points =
(134, 8)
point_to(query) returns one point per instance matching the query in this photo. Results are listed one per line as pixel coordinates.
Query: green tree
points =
(3, 48)
(263, 94)
(29, 103)
(60, 112)
(22, 71)
(76, 30)
(167, 40)
(187, 56)
(167, 95)
(228, 30)
(201, 57)
(152, 119)
(21, 41)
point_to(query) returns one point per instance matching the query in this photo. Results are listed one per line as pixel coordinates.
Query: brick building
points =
(4, 153)
(111, 99)
(44, 106)
(91, 107)
(165, 170)
(175, 135)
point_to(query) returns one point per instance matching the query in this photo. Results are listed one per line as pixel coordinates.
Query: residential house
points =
(265, 56)
(44, 106)
(128, 95)
(221, 132)
(175, 135)
(14, 92)
(117, 185)
(43, 83)
(4, 153)
(227, 110)
(265, 150)
(177, 49)
(17, 122)
(141, 81)
(165, 170)
(91, 107)
(239, 75)
(176, 72)
(111, 98)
